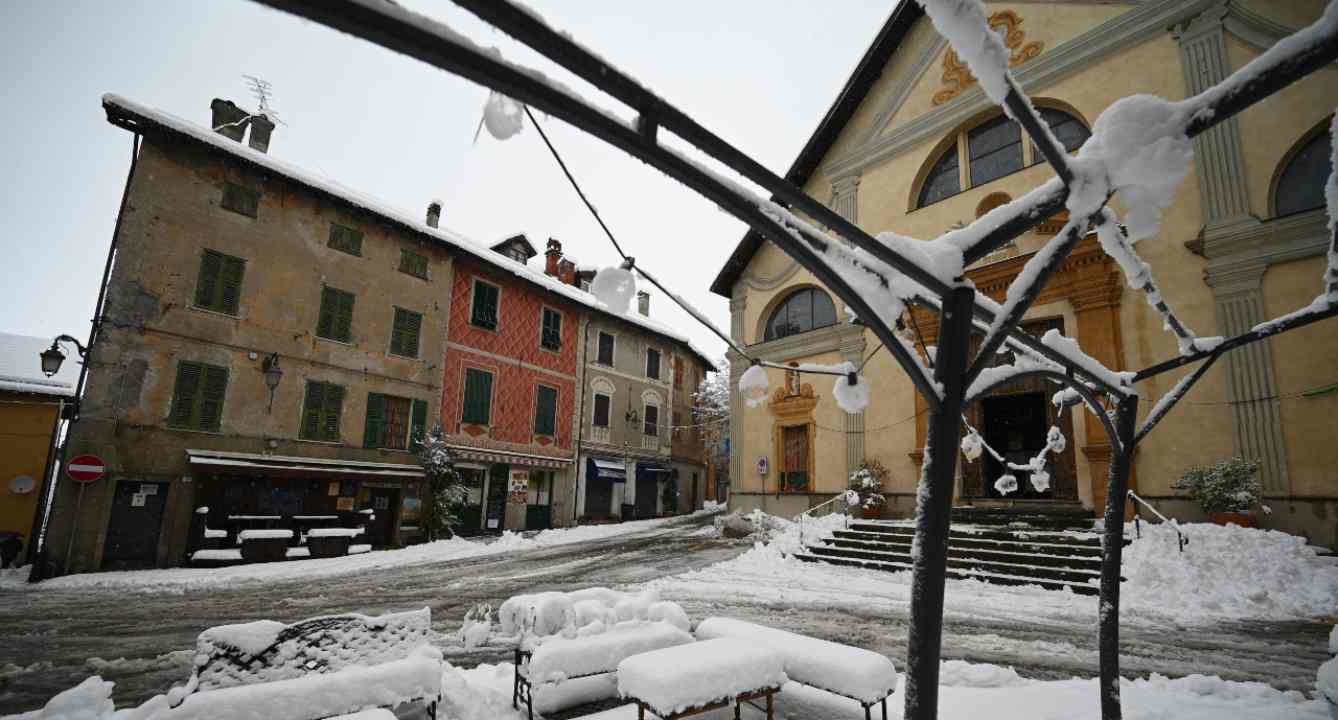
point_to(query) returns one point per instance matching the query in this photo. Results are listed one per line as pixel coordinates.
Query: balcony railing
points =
(650, 442)
(599, 434)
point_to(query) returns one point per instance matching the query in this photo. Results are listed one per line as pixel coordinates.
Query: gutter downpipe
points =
(45, 507)
(580, 423)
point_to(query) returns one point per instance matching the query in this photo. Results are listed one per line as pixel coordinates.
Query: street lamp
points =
(52, 357)
(273, 374)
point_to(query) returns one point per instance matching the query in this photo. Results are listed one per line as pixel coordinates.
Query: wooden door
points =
(136, 520)
(384, 504)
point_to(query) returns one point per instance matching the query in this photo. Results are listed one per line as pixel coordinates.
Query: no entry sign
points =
(86, 468)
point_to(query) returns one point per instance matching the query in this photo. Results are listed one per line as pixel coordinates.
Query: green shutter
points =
(332, 408)
(219, 287)
(485, 306)
(345, 239)
(206, 287)
(184, 394)
(336, 318)
(230, 284)
(376, 406)
(412, 263)
(211, 397)
(344, 322)
(545, 411)
(418, 424)
(478, 397)
(312, 409)
(325, 325)
(405, 333)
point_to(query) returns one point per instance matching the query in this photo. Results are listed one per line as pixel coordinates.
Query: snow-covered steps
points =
(1046, 517)
(1052, 559)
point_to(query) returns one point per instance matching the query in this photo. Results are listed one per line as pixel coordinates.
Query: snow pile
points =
(698, 674)
(89, 700)
(251, 638)
(1333, 641)
(265, 535)
(1227, 572)
(960, 673)
(560, 658)
(540, 614)
(854, 672)
(1326, 680)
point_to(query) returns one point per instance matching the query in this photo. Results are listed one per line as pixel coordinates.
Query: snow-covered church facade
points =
(912, 145)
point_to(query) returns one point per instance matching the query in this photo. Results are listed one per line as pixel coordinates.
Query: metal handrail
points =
(1138, 528)
(845, 511)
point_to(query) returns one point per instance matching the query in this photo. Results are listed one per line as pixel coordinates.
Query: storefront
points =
(649, 484)
(603, 487)
(507, 491)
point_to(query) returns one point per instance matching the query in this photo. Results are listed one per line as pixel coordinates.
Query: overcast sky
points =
(759, 73)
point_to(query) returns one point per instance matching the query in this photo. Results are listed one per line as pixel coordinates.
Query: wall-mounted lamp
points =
(273, 374)
(52, 357)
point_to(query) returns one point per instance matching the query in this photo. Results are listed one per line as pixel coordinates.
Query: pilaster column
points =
(852, 350)
(1238, 292)
(1095, 294)
(845, 197)
(737, 365)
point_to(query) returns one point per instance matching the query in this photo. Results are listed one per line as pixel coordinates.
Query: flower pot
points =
(872, 513)
(1243, 519)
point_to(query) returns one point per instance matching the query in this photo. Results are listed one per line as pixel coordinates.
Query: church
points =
(911, 144)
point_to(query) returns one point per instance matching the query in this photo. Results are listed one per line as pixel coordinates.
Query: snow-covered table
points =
(862, 675)
(686, 680)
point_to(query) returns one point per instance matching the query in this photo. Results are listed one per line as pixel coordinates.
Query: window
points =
(345, 239)
(550, 333)
(992, 150)
(601, 417)
(484, 310)
(404, 333)
(545, 411)
(241, 200)
(411, 263)
(478, 397)
(336, 319)
(807, 309)
(652, 423)
(794, 458)
(219, 286)
(321, 411)
(1301, 185)
(604, 355)
(197, 399)
(653, 363)
(394, 423)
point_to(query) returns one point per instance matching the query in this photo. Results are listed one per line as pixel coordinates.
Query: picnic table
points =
(685, 680)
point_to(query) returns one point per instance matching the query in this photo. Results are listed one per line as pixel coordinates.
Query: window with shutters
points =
(545, 411)
(394, 423)
(408, 325)
(604, 355)
(411, 263)
(321, 411)
(197, 398)
(653, 363)
(601, 416)
(550, 333)
(336, 319)
(477, 408)
(241, 200)
(651, 424)
(219, 286)
(483, 310)
(345, 239)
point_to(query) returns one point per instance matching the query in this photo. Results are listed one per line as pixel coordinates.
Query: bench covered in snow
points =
(312, 669)
(685, 680)
(862, 675)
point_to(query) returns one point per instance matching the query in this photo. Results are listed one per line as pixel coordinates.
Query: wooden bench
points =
(687, 680)
(317, 668)
(864, 676)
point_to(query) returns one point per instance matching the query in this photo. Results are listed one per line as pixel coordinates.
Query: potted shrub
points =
(866, 485)
(1227, 491)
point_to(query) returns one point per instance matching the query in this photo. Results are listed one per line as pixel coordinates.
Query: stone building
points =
(912, 145)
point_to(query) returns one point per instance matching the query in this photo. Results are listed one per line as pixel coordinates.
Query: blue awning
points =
(605, 469)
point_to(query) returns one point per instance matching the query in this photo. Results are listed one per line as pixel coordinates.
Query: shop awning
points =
(651, 468)
(603, 469)
(473, 454)
(288, 466)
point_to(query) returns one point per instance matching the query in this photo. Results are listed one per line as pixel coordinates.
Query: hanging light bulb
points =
(615, 287)
(753, 385)
(851, 391)
(502, 116)
(1006, 484)
(971, 446)
(1040, 480)
(1056, 440)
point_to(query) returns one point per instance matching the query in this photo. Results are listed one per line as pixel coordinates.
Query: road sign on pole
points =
(86, 468)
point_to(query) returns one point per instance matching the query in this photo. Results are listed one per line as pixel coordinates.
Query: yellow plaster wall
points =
(25, 438)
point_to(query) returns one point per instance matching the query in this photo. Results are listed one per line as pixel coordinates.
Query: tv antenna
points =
(263, 91)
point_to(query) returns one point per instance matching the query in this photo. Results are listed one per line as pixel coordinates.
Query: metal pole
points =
(934, 514)
(1112, 544)
(74, 527)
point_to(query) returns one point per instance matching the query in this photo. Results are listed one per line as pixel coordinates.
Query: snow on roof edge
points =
(112, 102)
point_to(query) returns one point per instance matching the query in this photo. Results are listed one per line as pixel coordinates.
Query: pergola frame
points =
(950, 387)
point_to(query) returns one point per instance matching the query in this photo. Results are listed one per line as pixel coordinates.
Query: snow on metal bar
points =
(1138, 273)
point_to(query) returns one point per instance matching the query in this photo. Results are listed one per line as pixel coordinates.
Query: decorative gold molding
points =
(957, 76)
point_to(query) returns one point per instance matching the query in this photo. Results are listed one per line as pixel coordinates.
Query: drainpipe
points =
(580, 420)
(49, 493)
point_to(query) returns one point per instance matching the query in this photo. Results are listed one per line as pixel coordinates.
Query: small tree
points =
(710, 407)
(866, 484)
(449, 490)
(1231, 485)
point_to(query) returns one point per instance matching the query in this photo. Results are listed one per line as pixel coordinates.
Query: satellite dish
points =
(22, 485)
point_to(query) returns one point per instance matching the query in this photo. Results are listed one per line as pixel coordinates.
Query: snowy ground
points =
(56, 635)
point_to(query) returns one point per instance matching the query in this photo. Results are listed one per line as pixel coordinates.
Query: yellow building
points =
(912, 145)
(30, 406)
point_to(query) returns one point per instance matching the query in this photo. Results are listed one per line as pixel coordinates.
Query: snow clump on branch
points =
(963, 24)
(502, 116)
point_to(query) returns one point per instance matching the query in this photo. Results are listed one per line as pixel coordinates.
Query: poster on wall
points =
(344, 503)
(520, 486)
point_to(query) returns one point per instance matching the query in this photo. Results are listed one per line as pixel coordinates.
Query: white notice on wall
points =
(137, 500)
(148, 489)
(492, 523)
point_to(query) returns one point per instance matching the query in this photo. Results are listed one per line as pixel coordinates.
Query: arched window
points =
(992, 149)
(807, 309)
(1301, 185)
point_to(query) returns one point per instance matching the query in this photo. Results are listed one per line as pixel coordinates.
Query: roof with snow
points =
(138, 118)
(857, 86)
(21, 368)
(518, 241)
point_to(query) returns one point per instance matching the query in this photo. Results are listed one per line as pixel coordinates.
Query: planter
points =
(1243, 519)
(264, 549)
(327, 547)
(872, 513)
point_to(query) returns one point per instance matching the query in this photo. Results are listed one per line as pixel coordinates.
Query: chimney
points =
(566, 272)
(261, 128)
(228, 119)
(433, 213)
(551, 257)
(643, 302)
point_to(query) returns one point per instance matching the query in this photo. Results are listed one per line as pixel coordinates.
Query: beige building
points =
(912, 145)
